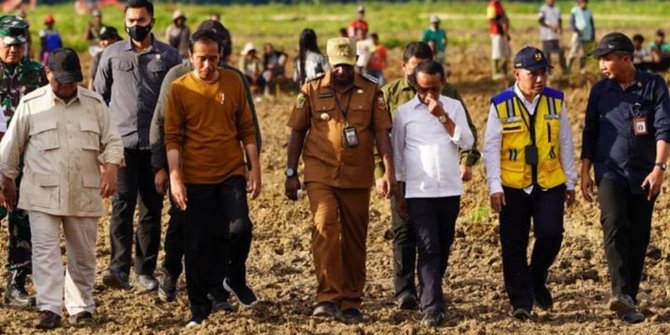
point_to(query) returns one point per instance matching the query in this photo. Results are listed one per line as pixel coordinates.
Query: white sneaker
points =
(193, 324)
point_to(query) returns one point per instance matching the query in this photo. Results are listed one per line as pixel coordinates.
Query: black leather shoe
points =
(167, 287)
(522, 314)
(407, 301)
(81, 319)
(432, 319)
(47, 320)
(352, 315)
(327, 309)
(543, 298)
(113, 279)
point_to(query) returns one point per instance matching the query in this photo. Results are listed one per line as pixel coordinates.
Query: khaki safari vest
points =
(520, 129)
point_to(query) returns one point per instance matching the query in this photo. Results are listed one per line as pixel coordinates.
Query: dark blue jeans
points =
(434, 221)
(545, 207)
(212, 211)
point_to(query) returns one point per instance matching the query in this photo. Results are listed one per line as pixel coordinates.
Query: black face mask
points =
(138, 33)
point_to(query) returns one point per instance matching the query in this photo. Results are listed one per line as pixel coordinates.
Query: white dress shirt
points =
(425, 156)
(493, 144)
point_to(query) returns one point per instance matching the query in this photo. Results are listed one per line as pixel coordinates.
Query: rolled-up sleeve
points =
(173, 120)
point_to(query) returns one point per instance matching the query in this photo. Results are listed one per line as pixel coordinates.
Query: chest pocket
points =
(122, 66)
(360, 111)
(324, 106)
(157, 67)
(511, 125)
(44, 135)
(90, 139)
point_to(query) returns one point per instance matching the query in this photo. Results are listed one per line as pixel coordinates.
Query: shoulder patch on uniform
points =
(300, 100)
(91, 94)
(552, 93)
(318, 75)
(36, 93)
(503, 96)
(370, 78)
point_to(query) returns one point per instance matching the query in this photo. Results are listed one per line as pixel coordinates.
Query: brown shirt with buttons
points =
(325, 114)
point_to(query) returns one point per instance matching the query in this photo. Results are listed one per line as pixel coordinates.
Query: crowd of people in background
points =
(175, 118)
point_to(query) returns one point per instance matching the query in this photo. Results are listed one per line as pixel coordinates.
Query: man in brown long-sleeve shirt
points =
(207, 117)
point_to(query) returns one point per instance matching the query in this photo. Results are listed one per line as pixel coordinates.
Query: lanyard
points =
(345, 110)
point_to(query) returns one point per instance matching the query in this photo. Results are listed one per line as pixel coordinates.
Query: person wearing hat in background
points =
(241, 233)
(178, 33)
(439, 36)
(13, 33)
(92, 33)
(500, 37)
(108, 35)
(358, 23)
(397, 93)
(626, 139)
(63, 134)
(529, 159)
(129, 78)
(252, 67)
(551, 28)
(50, 39)
(337, 118)
(660, 52)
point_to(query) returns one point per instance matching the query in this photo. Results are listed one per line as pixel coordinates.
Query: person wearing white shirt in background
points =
(427, 133)
(529, 160)
(364, 48)
(551, 27)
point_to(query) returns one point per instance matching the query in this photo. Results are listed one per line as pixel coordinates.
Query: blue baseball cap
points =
(531, 59)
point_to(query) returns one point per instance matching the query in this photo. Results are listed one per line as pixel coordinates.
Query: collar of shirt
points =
(530, 105)
(154, 47)
(638, 83)
(404, 85)
(358, 81)
(57, 100)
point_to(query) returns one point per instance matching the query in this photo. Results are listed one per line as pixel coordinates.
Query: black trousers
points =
(404, 253)
(136, 177)
(626, 222)
(240, 235)
(434, 221)
(212, 210)
(546, 208)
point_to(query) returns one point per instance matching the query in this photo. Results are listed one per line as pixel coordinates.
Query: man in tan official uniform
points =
(336, 119)
(64, 133)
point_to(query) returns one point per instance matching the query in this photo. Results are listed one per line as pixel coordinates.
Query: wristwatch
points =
(661, 165)
(290, 172)
(442, 118)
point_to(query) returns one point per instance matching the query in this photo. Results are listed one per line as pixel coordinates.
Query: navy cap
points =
(64, 63)
(531, 59)
(613, 42)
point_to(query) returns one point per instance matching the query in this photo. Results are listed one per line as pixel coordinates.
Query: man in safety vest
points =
(529, 158)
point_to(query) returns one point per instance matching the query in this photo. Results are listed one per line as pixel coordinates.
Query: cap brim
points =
(12, 40)
(69, 77)
(535, 67)
(599, 52)
(341, 60)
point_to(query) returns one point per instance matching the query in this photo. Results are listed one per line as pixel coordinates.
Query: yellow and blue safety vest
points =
(521, 129)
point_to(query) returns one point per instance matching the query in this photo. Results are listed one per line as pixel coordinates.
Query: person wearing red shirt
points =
(358, 23)
(499, 31)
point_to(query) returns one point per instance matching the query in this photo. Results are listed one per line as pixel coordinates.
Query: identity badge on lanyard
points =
(350, 134)
(639, 121)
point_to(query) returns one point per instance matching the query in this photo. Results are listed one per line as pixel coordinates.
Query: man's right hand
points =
(587, 187)
(161, 181)
(178, 192)
(291, 187)
(9, 193)
(497, 201)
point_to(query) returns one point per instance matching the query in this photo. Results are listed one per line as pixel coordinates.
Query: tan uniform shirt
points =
(62, 146)
(327, 158)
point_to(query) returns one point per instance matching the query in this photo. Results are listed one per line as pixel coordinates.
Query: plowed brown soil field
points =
(280, 265)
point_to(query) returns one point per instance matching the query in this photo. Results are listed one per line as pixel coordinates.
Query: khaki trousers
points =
(48, 276)
(338, 242)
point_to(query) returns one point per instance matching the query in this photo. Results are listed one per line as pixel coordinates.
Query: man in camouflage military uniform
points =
(18, 76)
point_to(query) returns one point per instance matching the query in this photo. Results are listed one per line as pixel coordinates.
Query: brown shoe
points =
(81, 319)
(47, 320)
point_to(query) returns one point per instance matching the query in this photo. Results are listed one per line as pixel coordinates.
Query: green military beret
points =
(13, 29)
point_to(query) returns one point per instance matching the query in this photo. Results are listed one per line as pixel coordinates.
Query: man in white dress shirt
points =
(529, 159)
(427, 134)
